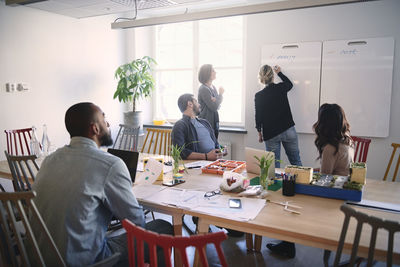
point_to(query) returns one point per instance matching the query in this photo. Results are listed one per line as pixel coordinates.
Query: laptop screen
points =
(129, 157)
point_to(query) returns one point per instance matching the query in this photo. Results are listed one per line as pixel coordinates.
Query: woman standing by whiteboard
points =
(274, 121)
(208, 97)
(275, 125)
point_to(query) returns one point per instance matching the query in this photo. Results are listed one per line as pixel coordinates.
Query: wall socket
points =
(11, 87)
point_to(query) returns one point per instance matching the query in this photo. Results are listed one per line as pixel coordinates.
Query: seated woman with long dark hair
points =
(333, 140)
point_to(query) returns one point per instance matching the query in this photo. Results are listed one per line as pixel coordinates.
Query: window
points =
(181, 49)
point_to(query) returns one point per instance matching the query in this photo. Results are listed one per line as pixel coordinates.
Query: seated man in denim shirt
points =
(81, 187)
(195, 134)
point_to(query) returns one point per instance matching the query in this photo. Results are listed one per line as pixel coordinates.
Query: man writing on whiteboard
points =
(275, 126)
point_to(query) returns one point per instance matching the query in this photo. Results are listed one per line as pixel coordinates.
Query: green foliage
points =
(135, 80)
(264, 163)
(360, 165)
(176, 155)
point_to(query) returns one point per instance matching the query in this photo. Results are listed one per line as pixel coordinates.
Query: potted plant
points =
(176, 156)
(135, 81)
(264, 163)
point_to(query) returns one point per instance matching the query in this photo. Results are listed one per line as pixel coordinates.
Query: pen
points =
(194, 167)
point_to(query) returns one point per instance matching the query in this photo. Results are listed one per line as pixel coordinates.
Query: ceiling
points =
(145, 8)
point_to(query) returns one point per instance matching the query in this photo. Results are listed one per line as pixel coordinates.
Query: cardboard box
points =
(358, 172)
(304, 174)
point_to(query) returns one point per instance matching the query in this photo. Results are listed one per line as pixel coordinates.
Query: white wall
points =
(64, 60)
(361, 20)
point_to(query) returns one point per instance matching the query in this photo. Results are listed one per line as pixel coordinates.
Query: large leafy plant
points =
(135, 80)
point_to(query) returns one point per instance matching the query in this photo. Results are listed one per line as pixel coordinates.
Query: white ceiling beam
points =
(230, 11)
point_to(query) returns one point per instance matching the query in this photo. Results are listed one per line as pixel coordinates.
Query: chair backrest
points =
(159, 142)
(167, 242)
(376, 223)
(23, 171)
(395, 146)
(16, 207)
(19, 138)
(127, 138)
(361, 146)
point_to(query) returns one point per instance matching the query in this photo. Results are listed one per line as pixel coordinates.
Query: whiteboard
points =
(301, 63)
(357, 75)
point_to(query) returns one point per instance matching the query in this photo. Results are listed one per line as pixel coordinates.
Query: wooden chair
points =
(23, 170)
(20, 205)
(167, 242)
(19, 138)
(159, 142)
(361, 146)
(127, 138)
(395, 146)
(376, 223)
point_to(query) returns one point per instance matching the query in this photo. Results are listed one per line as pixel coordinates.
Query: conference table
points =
(318, 225)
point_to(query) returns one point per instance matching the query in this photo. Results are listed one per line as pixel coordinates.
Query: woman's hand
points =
(213, 99)
(221, 90)
(260, 137)
(277, 69)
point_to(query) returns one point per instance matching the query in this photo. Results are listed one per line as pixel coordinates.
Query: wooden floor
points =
(235, 248)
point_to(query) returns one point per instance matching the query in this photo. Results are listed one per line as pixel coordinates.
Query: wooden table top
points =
(318, 225)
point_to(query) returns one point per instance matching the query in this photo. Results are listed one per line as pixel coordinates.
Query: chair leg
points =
(327, 255)
(152, 215)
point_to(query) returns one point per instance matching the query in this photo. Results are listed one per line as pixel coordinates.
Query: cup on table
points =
(288, 185)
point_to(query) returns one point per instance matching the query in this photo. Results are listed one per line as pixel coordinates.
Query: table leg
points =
(257, 243)
(249, 241)
(202, 228)
(177, 223)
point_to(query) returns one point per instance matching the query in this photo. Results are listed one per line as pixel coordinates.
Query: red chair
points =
(168, 242)
(361, 146)
(18, 139)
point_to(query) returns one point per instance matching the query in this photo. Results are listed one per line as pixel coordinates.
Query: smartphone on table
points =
(235, 203)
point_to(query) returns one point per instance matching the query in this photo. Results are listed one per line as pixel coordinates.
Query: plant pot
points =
(135, 119)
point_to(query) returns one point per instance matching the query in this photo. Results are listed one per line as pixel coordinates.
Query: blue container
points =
(329, 192)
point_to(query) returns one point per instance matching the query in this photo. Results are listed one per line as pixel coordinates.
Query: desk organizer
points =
(304, 174)
(330, 192)
(221, 165)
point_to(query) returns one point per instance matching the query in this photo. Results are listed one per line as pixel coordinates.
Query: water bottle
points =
(45, 141)
(35, 144)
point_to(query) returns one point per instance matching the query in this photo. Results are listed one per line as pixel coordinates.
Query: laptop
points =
(129, 157)
(251, 162)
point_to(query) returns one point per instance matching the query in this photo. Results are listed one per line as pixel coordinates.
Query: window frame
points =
(195, 69)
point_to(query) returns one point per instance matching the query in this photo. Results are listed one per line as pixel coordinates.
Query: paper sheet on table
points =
(140, 167)
(200, 163)
(219, 206)
(385, 206)
(143, 191)
(151, 172)
(216, 205)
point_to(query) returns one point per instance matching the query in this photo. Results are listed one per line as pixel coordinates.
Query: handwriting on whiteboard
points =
(349, 52)
(284, 57)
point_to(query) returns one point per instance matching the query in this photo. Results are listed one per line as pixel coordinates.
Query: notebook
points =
(129, 157)
(251, 162)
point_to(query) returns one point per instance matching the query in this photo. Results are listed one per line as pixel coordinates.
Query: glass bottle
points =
(45, 141)
(35, 144)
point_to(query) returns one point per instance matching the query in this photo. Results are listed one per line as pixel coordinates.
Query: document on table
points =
(217, 205)
(144, 191)
(199, 164)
